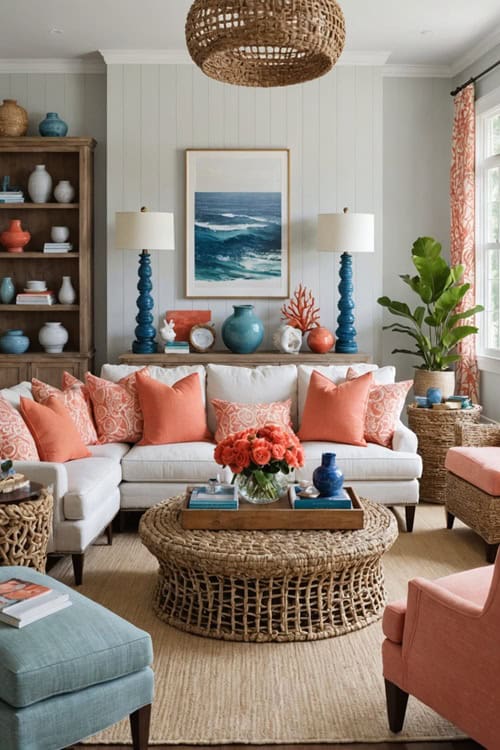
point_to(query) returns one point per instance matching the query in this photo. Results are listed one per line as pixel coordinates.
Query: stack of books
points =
(35, 298)
(303, 501)
(11, 196)
(224, 497)
(177, 347)
(23, 602)
(57, 247)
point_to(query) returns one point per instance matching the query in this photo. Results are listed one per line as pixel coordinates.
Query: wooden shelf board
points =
(36, 354)
(256, 358)
(37, 206)
(36, 255)
(39, 308)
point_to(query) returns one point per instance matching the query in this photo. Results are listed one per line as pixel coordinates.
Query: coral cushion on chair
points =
(172, 414)
(478, 466)
(336, 412)
(233, 417)
(117, 411)
(16, 441)
(385, 404)
(54, 431)
(74, 400)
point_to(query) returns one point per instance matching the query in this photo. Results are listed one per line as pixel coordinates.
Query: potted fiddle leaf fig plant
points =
(435, 326)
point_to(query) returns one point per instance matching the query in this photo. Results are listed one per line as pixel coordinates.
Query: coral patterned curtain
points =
(462, 195)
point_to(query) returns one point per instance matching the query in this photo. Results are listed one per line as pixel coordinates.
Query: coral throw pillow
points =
(53, 430)
(73, 399)
(16, 441)
(116, 407)
(385, 403)
(335, 412)
(172, 414)
(233, 417)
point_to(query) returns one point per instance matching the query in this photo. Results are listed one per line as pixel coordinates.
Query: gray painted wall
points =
(80, 99)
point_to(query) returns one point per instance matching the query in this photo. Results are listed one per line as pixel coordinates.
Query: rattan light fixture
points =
(265, 42)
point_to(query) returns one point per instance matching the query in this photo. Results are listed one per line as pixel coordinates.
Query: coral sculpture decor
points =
(301, 312)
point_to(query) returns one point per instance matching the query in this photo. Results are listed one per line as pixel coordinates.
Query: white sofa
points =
(89, 492)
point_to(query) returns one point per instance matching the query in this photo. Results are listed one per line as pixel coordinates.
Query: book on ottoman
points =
(23, 602)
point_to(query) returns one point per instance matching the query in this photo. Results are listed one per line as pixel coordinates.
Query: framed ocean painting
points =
(237, 223)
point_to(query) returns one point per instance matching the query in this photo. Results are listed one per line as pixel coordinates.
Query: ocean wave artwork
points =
(237, 236)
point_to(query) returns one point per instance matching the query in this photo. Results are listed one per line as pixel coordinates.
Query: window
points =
(488, 225)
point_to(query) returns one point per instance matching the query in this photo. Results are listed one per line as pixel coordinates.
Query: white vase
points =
(64, 192)
(67, 294)
(59, 234)
(40, 184)
(53, 337)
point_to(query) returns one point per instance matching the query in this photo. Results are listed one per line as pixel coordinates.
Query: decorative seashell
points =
(287, 339)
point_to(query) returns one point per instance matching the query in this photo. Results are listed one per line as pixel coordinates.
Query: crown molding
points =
(416, 71)
(476, 52)
(51, 65)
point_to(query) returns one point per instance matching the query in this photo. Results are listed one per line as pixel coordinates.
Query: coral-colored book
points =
(185, 319)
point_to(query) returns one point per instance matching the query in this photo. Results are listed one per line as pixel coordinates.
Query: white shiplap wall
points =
(80, 99)
(333, 127)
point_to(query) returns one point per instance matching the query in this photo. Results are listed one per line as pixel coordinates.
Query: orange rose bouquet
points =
(260, 459)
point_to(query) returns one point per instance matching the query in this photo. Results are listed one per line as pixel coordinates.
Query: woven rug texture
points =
(217, 692)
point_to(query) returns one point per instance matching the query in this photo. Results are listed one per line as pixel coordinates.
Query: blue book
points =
(317, 502)
(225, 497)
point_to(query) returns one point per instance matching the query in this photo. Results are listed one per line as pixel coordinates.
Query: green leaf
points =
(456, 335)
(405, 351)
(396, 308)
(426, 247)
(464, 315)
(450, 358)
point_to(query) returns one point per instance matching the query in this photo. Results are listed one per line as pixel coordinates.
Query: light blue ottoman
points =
(72, 674)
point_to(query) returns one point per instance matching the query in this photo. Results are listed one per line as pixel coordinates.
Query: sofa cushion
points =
(478, 466)
(90, 482)
(373, 462)
(167, 375)
(183, 462)
(56, 435)
(114, 451)
(233, 417)
(251, 385)
(14, 393)
(16, 441)
(73, 398)
(117, 412)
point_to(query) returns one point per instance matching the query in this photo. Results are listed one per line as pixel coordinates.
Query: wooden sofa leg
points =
(109, 533)
(491, 552)
(78, 568)
(450, 520)
(139, 727)
(410, 517)
(396, 700)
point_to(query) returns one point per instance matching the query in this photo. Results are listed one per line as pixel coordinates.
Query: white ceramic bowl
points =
(36, 286)
(59, 234)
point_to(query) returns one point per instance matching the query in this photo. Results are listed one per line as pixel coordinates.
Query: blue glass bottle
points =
(7, 290)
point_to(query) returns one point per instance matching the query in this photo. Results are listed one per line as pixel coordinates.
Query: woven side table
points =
(24, 531)
(268, 585)
(435, 429)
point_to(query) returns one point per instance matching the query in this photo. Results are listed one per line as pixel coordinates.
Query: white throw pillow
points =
(14, 393)
(167, 375)
(251, 385)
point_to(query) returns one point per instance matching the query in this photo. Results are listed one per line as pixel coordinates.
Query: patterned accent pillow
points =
(117, 411)
(73, 399)
(233, 417)
(385, 403)
(16, 441)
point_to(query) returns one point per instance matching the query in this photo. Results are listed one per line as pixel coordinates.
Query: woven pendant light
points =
(265, 42)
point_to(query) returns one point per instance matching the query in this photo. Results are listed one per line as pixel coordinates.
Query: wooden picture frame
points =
(237, 223)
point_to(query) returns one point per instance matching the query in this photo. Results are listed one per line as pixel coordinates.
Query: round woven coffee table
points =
(268, 585)
(24, 531)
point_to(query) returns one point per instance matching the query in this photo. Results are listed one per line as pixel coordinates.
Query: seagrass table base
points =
(268, 585)
(24, 532)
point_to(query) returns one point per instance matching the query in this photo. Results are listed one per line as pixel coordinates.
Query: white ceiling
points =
(430, 32)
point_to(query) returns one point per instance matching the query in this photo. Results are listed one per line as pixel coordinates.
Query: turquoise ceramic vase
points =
(14, 342)
(53, 126)
(327, 478)
(243, 331)
(7, 290)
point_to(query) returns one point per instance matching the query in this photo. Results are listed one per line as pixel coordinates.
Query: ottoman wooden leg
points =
(396, 700)
(450, 520)
(139, 727)
(410, 517)
(78, 568)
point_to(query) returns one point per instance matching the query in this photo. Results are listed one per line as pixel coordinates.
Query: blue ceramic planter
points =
(327, 478)
(53, 126)
(14, 342)
(243, 331)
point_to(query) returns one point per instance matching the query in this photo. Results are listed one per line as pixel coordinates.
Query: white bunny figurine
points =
(167, 332)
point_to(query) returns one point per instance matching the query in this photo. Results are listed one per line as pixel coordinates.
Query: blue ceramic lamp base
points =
(345, 333)
(145, 332)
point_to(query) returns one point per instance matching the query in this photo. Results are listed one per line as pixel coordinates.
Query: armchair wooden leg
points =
(410, 517)
(450, 520)
(396, 700)
(491, 552)
(78, 568)
(109, 533)
(139, 727)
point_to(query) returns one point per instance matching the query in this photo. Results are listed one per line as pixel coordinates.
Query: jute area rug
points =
(216, 692)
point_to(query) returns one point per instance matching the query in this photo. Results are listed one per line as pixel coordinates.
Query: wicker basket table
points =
(24, 531)
(435, 429)
(268, 585)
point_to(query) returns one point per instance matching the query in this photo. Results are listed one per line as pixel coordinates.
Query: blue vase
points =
(14, 342)
(327, 478)
(7, 290)
(243, 331)
(434, 395)
(53, 126)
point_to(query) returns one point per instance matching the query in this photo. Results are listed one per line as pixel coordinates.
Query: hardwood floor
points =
(458, 745)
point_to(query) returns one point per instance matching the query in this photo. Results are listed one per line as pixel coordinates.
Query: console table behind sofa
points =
(245, 360)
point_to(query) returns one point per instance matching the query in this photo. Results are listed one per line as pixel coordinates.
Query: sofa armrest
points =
(404, 440)
(477, 435)
(47, 473)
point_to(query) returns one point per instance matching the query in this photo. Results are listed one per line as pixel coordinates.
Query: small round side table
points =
(435, 429)
(24, 530)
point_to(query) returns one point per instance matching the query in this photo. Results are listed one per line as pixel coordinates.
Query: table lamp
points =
(346, 233)
(144, 229)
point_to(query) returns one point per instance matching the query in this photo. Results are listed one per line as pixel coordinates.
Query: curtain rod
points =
(475, 78)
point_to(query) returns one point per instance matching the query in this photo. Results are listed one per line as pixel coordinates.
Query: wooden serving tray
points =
(278, 515)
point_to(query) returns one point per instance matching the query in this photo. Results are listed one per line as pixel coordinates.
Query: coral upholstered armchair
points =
(442, 645)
